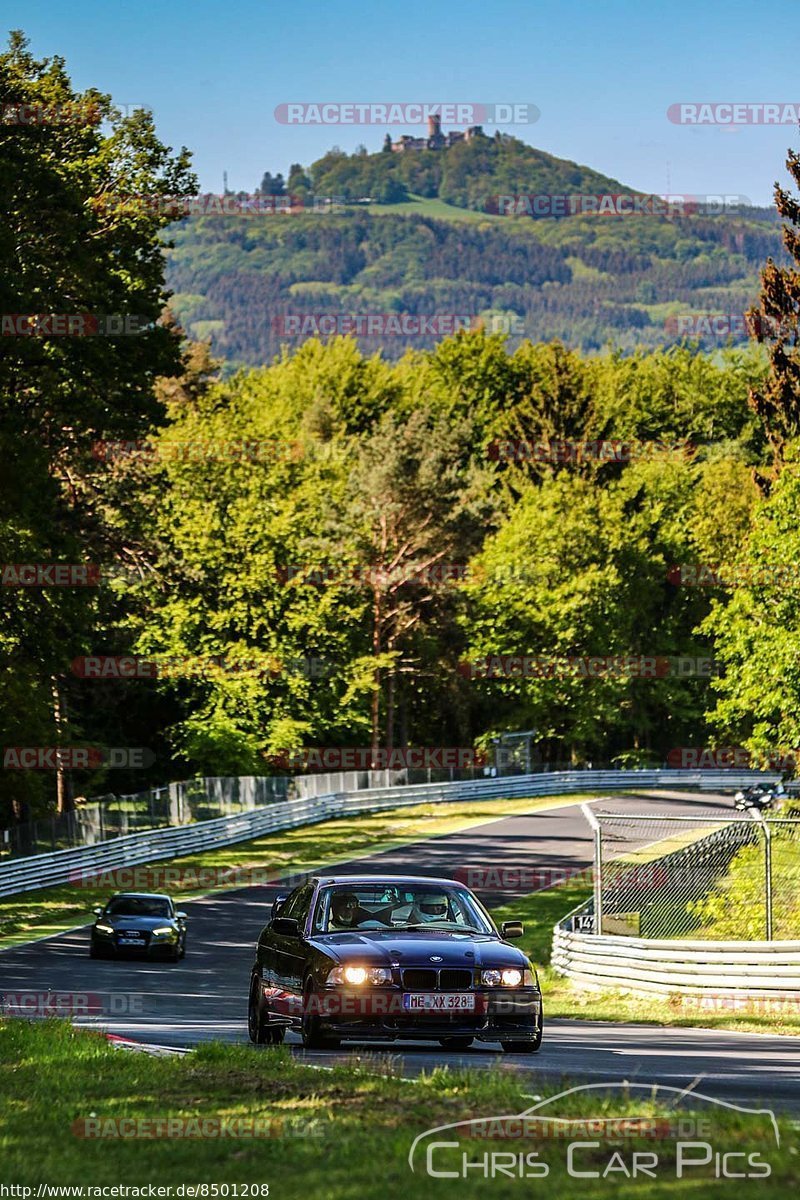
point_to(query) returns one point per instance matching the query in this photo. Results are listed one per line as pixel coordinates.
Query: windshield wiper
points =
(440, 928)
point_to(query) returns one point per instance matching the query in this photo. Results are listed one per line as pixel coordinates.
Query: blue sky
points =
(602, 75)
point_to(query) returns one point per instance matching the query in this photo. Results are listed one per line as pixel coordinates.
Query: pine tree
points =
(776, 320)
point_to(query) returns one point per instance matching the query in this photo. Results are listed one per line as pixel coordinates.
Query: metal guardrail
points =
(64, 866)
(179, 803)
(756, 970)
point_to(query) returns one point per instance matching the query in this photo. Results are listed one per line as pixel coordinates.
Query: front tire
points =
(456, 1043)
(526, 1047)
(258, 1027)
(313, 1037)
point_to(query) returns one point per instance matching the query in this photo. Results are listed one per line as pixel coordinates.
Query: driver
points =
(430, 907)
(347, 913)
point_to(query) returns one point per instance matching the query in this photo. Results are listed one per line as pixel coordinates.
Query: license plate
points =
(131, 941)
(439, 1001)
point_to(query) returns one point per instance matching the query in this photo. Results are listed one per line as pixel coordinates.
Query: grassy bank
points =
(340, 1134)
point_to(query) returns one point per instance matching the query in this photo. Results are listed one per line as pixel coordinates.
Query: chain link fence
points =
(705, 876)
(114, 816)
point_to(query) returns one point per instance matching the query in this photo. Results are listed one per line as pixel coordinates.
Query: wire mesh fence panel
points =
(323, 783)
(156, 808)
(672, 877)
(784, 870)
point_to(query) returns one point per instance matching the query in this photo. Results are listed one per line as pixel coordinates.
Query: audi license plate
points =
(131, 941)
(439, 1001)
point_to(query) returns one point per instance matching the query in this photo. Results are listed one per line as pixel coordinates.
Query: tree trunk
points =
(390, 690)
(64, 791)
(377, 614)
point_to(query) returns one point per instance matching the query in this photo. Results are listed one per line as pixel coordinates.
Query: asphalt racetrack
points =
(204, 996)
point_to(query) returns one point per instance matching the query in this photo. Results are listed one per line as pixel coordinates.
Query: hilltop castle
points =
(436, 140)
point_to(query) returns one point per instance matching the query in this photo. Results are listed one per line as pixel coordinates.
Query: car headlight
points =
(163, 931)
(507, 977)
(104, 928)
(360, 975)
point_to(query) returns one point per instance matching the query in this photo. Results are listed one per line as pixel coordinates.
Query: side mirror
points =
(286, 926)
(181, 916)
(98, 910)
(277, 905)
(512, 929)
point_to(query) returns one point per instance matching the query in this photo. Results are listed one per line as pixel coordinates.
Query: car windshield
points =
(138, 906)
(392, 906)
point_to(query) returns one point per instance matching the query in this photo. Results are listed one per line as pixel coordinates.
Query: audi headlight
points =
(104, 928)
(375, 976)
(163, 931)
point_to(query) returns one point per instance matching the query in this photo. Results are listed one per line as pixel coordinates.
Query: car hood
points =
(418, 949)
(143, 923)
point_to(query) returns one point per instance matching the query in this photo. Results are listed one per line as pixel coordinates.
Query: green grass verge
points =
(338, 1134)
(51, 910)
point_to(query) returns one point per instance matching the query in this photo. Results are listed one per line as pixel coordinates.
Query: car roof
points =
(389, 880)
(141, 896)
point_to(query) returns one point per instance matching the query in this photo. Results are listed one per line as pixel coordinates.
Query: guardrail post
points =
(759, 817)
(598, 867)
(768, 874)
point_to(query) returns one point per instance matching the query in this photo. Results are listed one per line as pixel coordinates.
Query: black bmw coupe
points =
(382, 958)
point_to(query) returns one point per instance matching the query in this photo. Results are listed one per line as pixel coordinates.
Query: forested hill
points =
(589, 280)
(467, 174)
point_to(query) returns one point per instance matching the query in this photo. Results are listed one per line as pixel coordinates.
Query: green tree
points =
(415, 516)
(73, 241)
(776, 322)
